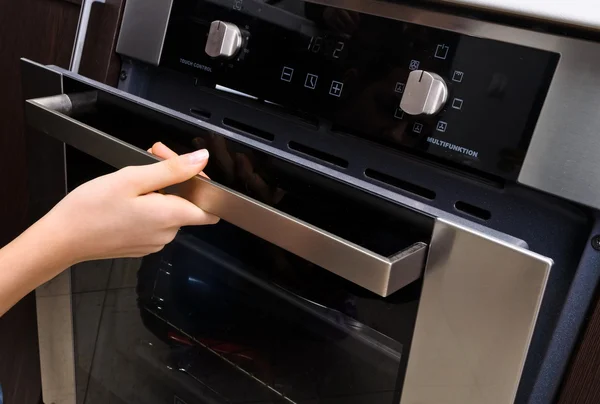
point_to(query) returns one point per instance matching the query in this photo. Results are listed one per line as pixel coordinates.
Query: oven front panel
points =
(349, 70)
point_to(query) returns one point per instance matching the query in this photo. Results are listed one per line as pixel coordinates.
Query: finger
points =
(144, 179)
(252, 180)
(346, 19)
(185, 213)
(162, 151)
(199, 143)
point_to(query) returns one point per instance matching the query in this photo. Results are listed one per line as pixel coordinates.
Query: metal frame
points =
(143, 38)
(82, 27)
(476, 316)
(47, 185)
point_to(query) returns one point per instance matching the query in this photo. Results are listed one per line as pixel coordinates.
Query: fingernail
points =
(196, 157)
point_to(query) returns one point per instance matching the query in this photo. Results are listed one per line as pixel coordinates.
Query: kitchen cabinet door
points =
(43, 30)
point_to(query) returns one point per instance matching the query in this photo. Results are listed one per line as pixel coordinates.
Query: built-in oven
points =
(389, 233)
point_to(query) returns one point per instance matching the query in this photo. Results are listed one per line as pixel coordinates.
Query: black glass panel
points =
(350, 70)
(289, 330)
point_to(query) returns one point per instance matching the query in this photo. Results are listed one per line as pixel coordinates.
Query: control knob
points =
(224, 40)
(425, 93)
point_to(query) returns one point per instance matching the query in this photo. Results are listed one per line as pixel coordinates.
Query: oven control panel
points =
(461, 100)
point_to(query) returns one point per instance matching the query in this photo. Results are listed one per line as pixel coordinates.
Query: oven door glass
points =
(202, 325)
(224, 316)
(259, 326)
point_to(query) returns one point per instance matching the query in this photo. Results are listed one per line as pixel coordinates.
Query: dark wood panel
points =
(45, 36)
(99, 61)
(77, 2)
(41, 30)
(582, 382)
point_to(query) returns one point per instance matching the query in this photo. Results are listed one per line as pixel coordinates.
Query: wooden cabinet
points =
(582, 382)
(44, 31)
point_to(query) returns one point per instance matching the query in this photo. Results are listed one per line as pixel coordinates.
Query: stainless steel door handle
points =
(379, 274)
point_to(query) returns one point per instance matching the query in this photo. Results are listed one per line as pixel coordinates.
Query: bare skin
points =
(114, 216)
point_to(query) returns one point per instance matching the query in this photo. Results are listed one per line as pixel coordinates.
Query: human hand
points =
(343, 21)
(119, 215)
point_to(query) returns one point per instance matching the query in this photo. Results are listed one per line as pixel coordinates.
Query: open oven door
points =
(479, 295)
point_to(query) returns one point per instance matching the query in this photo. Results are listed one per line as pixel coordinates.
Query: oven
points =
(401, 220)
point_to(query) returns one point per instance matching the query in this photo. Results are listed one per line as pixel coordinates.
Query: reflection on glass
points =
(292, 348)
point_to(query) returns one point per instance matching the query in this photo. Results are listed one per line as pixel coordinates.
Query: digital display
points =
(349, 70)
(327, 46)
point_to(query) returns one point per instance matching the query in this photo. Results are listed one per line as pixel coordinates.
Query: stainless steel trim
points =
(56, 340)
(143, 29)
(82, 26)
(478, 308)
(379, 274)
(562, 157)
(53, 299)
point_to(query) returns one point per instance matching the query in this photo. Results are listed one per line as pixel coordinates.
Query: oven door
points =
(308, 291)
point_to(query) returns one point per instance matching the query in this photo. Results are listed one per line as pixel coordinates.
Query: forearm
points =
(114, 216)
(35, 257)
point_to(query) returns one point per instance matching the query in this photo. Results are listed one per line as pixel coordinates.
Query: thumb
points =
(177, 169)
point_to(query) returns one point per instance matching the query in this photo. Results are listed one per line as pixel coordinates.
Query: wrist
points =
(54, 241)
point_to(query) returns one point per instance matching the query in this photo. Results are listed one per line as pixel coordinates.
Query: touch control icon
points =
(399, 87)
(311, 81)
(457, 103)
(417, 127)
(441, 51)
(287, 73)
(336, 88)
(399, 114)
(441, 126)
(414, 65)
(458, 76)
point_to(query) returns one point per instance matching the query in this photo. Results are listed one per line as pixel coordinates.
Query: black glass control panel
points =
(351, 71)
